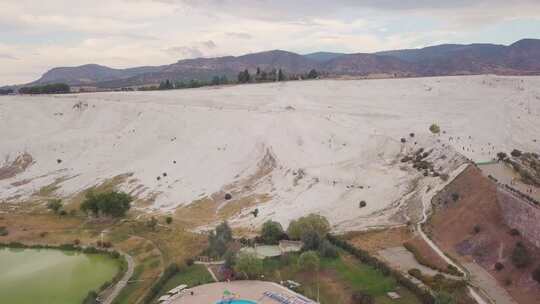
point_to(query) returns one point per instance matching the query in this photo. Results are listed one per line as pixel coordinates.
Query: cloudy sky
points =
(36, 35)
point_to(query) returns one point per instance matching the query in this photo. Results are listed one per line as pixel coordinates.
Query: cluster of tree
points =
(262, 76)
(112, 203)
(193, 83)
(6, 91)
(219, 240)
(53, 88)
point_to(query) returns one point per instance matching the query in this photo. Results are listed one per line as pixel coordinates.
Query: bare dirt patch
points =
(377, 240)
(468, 225)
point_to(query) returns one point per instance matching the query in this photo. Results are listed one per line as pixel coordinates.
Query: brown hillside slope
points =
(471, 201)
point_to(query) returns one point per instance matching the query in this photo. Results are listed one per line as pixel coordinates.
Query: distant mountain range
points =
(520, 58)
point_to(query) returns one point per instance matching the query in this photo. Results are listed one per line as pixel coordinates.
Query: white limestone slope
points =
(343, 136)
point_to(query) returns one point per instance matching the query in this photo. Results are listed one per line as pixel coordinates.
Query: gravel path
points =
(123, 282)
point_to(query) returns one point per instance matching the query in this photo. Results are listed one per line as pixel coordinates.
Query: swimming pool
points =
(236, 302)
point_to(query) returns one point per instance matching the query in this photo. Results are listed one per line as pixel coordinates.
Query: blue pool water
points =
(236, 302)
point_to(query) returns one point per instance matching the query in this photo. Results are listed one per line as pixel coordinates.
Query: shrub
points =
(477, 229)
(168, 220)
(62, 213)
(3, 231)
(507, 282)
(415, 272)
(520, 256)
(55, 205)
(536, 274)
(309, 261)
(515, 153)
(328, 250)
(411, 134)
(362, 204)
(403, 140)
(228, 196)
(91, 298)
(435, 129)
(444, 298)
(361, 298)
(455, 196)
(501, 156)
(499, 266)
(168, 273)
(514, 232)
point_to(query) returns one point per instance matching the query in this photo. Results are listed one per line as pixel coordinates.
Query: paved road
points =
(123, 282)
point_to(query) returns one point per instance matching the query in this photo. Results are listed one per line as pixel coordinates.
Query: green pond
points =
(35, 276)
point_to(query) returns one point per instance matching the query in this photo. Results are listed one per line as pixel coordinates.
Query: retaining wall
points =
(520, 215)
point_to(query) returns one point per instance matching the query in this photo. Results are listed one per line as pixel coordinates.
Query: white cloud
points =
(123, 33)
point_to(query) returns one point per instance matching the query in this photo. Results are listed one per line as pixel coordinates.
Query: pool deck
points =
(245, 290)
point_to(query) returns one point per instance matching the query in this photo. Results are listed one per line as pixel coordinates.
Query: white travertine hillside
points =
(312, 146)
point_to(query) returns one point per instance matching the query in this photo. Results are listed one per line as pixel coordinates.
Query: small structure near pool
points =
(268, 251)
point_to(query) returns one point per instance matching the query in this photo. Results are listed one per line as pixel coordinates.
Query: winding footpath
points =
(123, 282)
(426, 203)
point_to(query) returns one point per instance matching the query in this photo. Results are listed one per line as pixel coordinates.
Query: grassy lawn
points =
(190, 275)
(337, 280)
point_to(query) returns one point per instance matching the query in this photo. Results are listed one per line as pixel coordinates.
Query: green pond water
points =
(49, 276)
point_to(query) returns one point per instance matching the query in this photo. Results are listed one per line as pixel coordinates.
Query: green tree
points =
(244, 77)
(281, 75)
(309, 261)
(435, 129)
(166, 85)
(272, 232)
(55, 205)
(312, 240)
(311, 222)
(219, 239)
(112, 203)
(313, 74)
(249, 265)
(328, 250)
(168, 220)
(230, 259)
